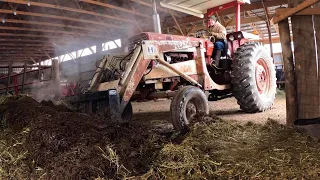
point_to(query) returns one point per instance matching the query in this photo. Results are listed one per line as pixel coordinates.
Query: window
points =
(111, 45)
(85, 52)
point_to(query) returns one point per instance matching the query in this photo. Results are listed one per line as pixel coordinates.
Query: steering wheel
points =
(203, 33)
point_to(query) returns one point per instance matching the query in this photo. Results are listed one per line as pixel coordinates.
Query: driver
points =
(220, 33)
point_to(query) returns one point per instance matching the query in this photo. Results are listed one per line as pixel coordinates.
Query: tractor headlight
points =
(239, 36)
(231, 38)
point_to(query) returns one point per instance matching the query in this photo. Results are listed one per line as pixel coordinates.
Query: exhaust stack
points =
(156, 18)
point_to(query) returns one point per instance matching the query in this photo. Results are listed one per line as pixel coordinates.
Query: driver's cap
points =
(213, 17)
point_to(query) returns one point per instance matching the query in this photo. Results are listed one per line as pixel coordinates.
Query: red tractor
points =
(165, 66)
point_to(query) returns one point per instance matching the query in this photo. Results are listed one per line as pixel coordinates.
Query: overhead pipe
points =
(156, 18)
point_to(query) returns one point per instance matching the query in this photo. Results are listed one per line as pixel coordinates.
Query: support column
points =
(99, 48)
(306, 64)
(24, 76)
(290, 78)
(268, 26)
(9, 76)
(56, 78)
(39, 71)
(238, 17)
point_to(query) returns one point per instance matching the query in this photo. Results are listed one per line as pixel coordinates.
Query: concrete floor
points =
(226, 109)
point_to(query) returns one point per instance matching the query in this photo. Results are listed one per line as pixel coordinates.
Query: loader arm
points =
(97, 75)
(132, 76)
(129, 80)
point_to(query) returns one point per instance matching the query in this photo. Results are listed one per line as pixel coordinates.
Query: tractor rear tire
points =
(253, 78)
(186, 103)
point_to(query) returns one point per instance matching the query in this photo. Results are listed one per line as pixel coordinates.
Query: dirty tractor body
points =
(182, 69)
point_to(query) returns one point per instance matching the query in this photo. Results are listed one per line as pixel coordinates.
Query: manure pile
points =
(43, 141)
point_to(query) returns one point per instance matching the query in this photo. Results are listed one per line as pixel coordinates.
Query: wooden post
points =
(317, 28)
(9, 76)
(56, 78)
(24, 76)
(175, 20)
(306, 64)
(51, 70)
(39, 71)
(290, 79)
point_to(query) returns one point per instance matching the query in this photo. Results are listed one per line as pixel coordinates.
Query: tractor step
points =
(217, 98)
(219, 95)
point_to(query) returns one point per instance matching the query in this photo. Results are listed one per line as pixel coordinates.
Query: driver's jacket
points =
(218, 31)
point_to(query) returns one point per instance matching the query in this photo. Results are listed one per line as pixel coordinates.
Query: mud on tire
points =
(186, 103)
(253, 78)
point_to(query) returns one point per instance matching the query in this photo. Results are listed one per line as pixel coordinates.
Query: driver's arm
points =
(219, 31)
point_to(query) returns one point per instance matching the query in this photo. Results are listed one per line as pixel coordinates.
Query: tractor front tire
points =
(253, 78)
(186, 103)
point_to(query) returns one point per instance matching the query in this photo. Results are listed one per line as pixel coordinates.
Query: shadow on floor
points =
(163, 115)
(228, 112)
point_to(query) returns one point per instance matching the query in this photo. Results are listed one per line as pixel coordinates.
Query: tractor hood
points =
(196, 7)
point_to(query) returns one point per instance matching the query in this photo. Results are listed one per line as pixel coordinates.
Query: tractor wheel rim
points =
(191, 110)
(262, 77)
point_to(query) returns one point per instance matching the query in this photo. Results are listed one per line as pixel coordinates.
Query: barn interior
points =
(51, 52)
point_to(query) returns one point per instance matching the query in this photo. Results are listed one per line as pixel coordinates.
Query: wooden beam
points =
(305, 12)
(16, 48)
(23, 40)
(29, 53)
(15, 60)
(290, 80)
(116, 7)
(24, 76)
(231, 23)
(53, 24)
(61, 18)
(24, 50)
(266, 41)
(306, 64)
(177, 24)
(266, 12)
(253, 6)
(246, 20)
(25, 45)
(307, 3)
(149, 5)
(10, 58)
(23, 55)
(49, 31)
(159, 8)
(44, 42)
(245, 7)
(29, 35)
(9, 76)
(46, 5)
